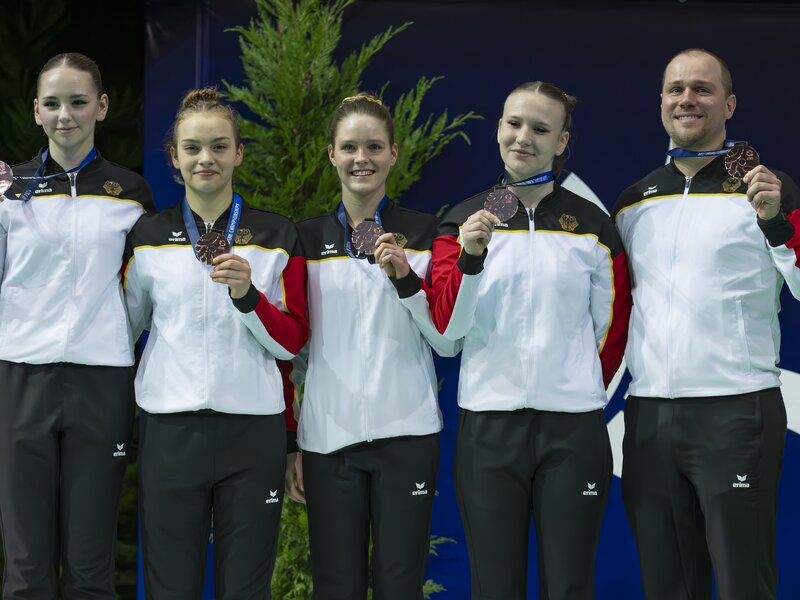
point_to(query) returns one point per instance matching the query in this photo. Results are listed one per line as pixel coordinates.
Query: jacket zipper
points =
(684, 199)
(73, 207)
(206, 283)
(531, 296)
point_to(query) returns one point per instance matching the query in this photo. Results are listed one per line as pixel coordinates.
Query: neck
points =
(71, 158)
(531, 195)
(359, 208)
(691, 166)
(209, 207)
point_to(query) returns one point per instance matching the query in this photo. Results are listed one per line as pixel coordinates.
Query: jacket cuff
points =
(778, 230)
(471, 265)
(291, 442)
(249, 301)
(408, 285)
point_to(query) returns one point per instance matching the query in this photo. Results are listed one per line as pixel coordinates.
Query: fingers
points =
(391, 257)
(763, 191)
(476, 232)
(294, 478)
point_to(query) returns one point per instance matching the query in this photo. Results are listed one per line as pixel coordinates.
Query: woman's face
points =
(206, 154)
(362, 155)
(530, 134)
(68, 106)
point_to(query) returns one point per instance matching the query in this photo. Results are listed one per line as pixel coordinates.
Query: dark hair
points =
(201, 100)
(552, 91)
(727, 81)
(362, 103)
(73, 60)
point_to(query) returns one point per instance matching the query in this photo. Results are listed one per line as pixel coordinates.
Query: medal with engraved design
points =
(740, 160)
(502, 203)
(6, 177)
(211, 245)
(365, 235)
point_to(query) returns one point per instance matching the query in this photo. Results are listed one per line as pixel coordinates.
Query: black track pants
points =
(388, 485)
(191, 464)
(700, 484)
(64, 436)
(554, 466)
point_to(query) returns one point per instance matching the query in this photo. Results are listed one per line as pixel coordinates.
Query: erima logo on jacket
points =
(273, 497)
(177, 236)
(420, 491)
(329, 249)
(120, 450)
(591, 491)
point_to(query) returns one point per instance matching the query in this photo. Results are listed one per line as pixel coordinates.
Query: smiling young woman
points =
(535, 283)
(221, 287)
(370, 420)
(66, 407)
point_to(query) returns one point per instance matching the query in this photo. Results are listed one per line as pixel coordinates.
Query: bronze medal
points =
(210, 246)
(366, 235)
(502, 203)
(740, 160)
(6, 178)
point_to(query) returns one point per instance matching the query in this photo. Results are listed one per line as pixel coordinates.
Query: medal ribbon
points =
(684, 153)
(39, 175)
(348, 232)
(230, 228)
(539, 179)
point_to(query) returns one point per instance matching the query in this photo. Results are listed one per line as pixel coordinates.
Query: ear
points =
(562, 143)
(499, 123)
(36, 111)
(730, 106)
(239, 155)
(174, 156)
(102, 109)
(394, 155)
(330, 154)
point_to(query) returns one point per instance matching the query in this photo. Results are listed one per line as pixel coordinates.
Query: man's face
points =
(694, 106)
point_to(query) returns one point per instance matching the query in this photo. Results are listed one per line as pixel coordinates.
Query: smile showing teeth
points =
(362, 173)
(688, 117)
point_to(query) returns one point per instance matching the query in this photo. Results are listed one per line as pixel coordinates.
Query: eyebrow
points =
(219, 139)
(72, 96)
(373, 141)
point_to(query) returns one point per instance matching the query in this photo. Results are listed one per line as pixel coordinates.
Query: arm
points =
(137, 297)
(610, 303)
(457, 272)
(278, 319)
(414, 293)
(3, 245)
(777, 203)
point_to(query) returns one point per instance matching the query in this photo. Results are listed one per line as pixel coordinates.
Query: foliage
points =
(292, 578)
(292, 85)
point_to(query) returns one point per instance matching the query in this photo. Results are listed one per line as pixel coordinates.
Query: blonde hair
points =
(362, 103)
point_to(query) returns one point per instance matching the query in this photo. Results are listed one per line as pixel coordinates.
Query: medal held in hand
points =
(210, 246)
(365, 235)
(6, 177)
(502, 203)
(740, 160)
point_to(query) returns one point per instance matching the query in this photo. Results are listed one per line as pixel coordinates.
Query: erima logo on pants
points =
(273, 497)
(120, 450)
(420, 491)
(591, 491)
(741, 483)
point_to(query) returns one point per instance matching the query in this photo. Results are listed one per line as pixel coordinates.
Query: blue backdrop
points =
(611, 56)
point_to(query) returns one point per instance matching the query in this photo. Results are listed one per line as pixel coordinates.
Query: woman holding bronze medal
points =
(534, 279)
(370, 420)
(221, 287)
(66, 407)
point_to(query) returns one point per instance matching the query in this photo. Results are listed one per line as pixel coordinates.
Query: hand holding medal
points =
(234, 271)
(389, 254)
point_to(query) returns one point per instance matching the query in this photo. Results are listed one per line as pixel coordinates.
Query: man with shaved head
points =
(711, 236)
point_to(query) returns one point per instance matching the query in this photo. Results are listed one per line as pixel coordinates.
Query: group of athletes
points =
(539, 289)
